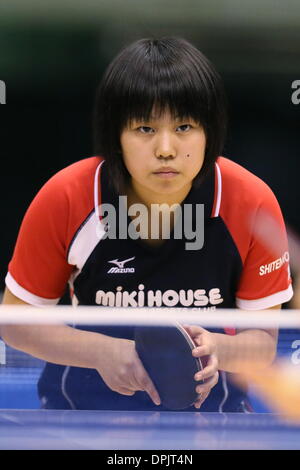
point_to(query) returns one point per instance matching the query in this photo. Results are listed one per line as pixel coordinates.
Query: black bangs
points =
(146, 79)
(159, 77)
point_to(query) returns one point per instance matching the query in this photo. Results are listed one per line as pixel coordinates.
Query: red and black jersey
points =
(243, 263)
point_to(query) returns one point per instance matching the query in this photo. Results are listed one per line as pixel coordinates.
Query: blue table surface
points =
(68, 429)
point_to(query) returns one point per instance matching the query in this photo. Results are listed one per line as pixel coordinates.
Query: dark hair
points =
(169, 73)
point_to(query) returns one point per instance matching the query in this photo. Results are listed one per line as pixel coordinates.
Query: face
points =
(163, 156)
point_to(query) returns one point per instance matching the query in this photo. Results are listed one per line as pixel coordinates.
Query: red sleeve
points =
(254, 219)
(39, 271)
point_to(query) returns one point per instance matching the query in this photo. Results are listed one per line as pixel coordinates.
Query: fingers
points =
(209, 370)
(125, 391)
(204, 350)
(204, 389)
(208, 385)
(152, 392)
(194, 330)
(143, 382)
(197, 334)
(210, 375)
(201, 400)
(204, 346)
(203, 339)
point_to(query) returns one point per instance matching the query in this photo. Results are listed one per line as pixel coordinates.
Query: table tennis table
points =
(95, 430)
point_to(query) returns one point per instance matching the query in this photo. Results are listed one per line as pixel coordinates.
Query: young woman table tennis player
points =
(160, 125)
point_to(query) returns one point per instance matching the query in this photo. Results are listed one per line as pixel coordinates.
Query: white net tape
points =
(90, 315)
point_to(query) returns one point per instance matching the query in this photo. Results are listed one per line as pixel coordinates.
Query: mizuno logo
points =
(120, 266)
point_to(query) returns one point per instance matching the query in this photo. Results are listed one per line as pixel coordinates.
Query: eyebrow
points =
(154, 118)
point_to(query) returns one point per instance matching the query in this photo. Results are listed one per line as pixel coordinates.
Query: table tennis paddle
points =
(166, 354)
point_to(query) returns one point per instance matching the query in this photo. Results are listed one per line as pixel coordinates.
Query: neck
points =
(147, 197)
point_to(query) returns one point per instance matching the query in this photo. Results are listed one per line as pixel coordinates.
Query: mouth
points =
(166, 171)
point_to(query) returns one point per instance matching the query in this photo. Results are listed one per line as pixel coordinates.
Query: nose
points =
(165, 146)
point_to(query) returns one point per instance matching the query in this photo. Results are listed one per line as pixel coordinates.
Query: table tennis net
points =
(20, 371)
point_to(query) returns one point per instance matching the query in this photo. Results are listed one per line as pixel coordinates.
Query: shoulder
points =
(70, 190)
(248, 207)
(243, 194)
(39, 268)
(63, 203)
(78, 175)
(240, 186)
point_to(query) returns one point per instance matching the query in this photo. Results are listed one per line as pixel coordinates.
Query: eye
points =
(145, 129)
(184, 127)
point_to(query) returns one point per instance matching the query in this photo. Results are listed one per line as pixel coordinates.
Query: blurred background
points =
(53, 55)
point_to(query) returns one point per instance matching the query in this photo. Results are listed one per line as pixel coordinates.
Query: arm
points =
(115, 359)
(234, 352)
(247, 346)
(59, 344)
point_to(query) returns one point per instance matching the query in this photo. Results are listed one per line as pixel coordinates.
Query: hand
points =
(122, 370)
(205, 346)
